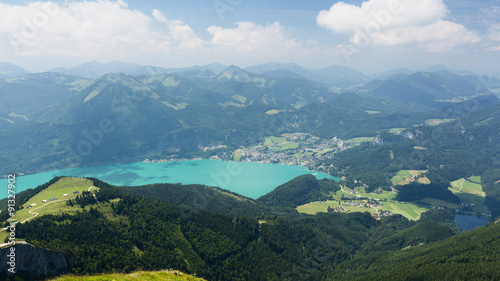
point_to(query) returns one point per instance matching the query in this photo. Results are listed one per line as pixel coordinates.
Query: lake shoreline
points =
(250, 179)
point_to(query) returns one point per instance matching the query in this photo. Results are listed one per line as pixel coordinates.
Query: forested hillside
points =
(119, 231)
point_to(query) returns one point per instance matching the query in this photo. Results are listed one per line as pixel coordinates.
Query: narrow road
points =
(462, 186)
(44, 204)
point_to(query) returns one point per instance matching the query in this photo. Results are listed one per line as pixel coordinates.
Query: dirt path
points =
(44, 204)
(461, 186)
(95, 197)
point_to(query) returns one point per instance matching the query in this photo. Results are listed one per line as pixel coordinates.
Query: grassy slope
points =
(136, 276)
(404, 177)
(470, 191)
(63, 186)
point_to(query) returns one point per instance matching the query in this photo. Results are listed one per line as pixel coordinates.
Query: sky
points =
(370, 35)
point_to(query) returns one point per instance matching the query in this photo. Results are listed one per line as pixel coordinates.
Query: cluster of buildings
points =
(465, 208)
(310, 149)
(381, 213)
(339, 209)
(51, 199)
(366, 203)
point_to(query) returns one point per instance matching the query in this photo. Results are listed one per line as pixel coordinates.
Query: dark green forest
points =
(137, 233)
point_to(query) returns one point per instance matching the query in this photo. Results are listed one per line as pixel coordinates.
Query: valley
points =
(233, 140)
(229, 174)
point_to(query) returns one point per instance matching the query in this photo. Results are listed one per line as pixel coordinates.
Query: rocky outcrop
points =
(33, 262)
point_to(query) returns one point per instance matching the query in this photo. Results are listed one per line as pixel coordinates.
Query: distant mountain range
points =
(363, 129)
(337, 77)
(175, 111)
(8, 70)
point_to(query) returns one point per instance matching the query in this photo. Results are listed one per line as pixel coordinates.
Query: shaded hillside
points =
(116, 231)
(113, 235)
(350, 115)
(202, 197)
(299, 191)
(428, 87)
(473, 255)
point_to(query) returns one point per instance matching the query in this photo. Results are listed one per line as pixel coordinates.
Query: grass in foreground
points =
(136, 276)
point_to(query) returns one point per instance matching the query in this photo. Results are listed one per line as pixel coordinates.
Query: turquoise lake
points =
(250, 179)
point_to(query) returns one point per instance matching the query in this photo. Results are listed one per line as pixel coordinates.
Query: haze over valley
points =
(238, 140)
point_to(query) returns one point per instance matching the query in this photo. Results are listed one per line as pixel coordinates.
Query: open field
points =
(405, 177)
(424, 180)
(361, 139)
(475, 179)
(321, 152)
(465, 186)
(274, 140)
(470, 192)
(387, 195)
(408, 210)
(63, 186)
(280, 144)
(419, 148)
(320, 207)
(286, 146)
(439, 203)
(396, 130)
(237, 156)
(435, 122)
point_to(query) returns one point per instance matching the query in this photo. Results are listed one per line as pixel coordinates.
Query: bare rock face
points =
(33, 262)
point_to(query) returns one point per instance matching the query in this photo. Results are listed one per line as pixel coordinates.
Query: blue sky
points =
(371, 35)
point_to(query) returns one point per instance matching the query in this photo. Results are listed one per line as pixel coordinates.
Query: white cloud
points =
(248, 36)
(91, 28)
(110, 30)
(397, 22)
(494, 32)
(159, 16)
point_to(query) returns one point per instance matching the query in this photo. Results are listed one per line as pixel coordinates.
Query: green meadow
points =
(404, 177)
(63, 186)
(408, 210)
(470, 191)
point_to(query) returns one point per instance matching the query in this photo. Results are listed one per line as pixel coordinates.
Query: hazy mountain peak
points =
(339, 70)
(441, 67)
(272, 66)
(235, 73)
(11, 70)
(215, 66)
